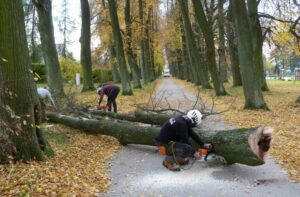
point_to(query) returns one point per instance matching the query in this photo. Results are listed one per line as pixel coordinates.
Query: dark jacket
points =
(107, 88)
(178, 129)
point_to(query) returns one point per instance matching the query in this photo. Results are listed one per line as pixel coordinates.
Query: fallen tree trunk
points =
(138, 116)
(246, 146)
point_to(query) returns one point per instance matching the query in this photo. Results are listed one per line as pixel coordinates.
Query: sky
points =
(75, 15)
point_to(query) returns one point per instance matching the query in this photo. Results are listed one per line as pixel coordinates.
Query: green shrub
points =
(39, 70)
(69, 67)
(102, 75)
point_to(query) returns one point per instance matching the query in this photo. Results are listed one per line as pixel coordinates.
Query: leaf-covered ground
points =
(284, 117)
(80, 166)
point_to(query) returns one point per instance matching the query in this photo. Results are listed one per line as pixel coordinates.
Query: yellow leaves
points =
(79, 168)
(283, 117)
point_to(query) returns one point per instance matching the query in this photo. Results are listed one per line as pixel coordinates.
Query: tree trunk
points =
(130, 54)
(113, 62)
(118, 43)
(197, 68)
(232, 42)
(185, 56)
(251, 86)
(138, 116)
(222, 54)
(85, 40)
(19, 136)
(143, 61)
(149, 42)
(179, 63)
(35, 54)
(54, 77)
(210, 47)
(245, 146)
(257, 41)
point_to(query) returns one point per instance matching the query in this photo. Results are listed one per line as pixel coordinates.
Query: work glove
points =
(197, 155)
(103, 107)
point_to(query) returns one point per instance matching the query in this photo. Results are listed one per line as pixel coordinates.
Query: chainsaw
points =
(205, 152)
(102, 107)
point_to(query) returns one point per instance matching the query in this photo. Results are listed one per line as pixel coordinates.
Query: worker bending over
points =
(44, 94)
(111, 91)
(174, 136)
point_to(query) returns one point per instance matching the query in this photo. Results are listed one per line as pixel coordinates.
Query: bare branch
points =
(263, 15)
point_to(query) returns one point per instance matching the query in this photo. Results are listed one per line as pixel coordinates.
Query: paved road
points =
(137, 171)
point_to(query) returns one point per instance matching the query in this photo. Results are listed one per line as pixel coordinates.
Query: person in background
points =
(111, 91)
(174, 136)
(44, 94)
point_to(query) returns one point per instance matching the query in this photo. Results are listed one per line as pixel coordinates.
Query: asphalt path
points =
(138, 171)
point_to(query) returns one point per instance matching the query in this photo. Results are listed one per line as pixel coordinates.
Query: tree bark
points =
(185, 56)
(257, 42)
(222, 54)
(19, 135)
(113, 63)
(130, 54)
(197, 68)
(251, 86)
(245, 146)
(85, 40)
(54, 77)
(232, 42)
(118, 43)
(210, 47)
(143, 62)
(149, 42)
(138, 116)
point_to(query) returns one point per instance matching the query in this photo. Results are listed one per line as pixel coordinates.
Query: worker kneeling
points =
(174, 136)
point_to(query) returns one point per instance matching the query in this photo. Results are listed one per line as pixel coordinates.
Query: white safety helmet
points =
(98, 90)
(196, 116)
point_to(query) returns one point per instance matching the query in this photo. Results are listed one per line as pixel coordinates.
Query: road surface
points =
(137, 170)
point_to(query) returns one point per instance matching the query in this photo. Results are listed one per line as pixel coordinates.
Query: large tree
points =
(251, 86)
(118, 43)
(233, 52)
(247, 146)
(200, 75)
(131, 56)
(210, 47)
(19, 103)
(257, 41)
(54, 76)
(143, 50)
(223, 67)
(113, 64)
(85, 40)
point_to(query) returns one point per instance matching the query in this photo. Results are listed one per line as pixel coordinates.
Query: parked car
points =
(166, 73)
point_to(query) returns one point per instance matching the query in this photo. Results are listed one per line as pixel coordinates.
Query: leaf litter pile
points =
(80, 166)
(283, 117)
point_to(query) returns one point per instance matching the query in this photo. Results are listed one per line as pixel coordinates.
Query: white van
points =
(166, 73)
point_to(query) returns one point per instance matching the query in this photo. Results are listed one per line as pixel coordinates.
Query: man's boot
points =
(170, 166)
